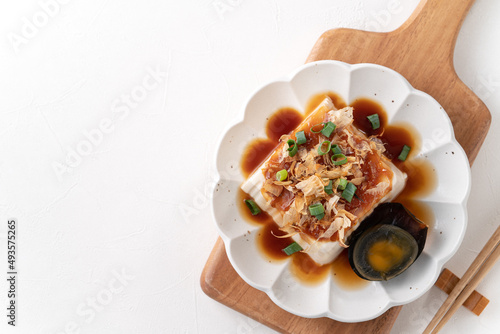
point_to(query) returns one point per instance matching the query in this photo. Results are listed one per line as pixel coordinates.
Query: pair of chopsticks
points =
(472, 277)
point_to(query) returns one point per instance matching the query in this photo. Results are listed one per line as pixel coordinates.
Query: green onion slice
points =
(328, 129)
(301, 137)
(292, 147)
(336, 149)
(404, 153)
(254, 208)
(282, 175)
(317, 210)
(374, 120)
(314, 126)
(329, 188)
(292, 248)
(342, 184)
(343, 159)
(324, 148)
(349, 191)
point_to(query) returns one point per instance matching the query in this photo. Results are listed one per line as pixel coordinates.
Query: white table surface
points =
(116, 242)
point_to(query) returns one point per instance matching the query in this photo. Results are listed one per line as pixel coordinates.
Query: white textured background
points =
(135, 205)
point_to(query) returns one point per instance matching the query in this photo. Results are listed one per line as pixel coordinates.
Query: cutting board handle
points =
(438, 20)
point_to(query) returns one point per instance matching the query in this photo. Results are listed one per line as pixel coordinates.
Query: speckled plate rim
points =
(231, 225)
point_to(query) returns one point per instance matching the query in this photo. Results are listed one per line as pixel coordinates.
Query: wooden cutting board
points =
(422, 51)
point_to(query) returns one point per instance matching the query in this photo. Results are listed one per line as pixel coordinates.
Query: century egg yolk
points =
(385, 255)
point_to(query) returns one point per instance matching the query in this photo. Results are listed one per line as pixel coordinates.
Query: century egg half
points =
(386, 243)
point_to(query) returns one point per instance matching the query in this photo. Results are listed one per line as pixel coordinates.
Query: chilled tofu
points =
(314, 166)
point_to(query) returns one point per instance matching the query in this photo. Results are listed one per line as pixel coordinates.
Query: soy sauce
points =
(308, 271)
(343, 274)
(256, 152)
(394, 137)
(362, 109)
(421, 181)
(260, 219)
(315, 100)
(281, 122)
(270, 244)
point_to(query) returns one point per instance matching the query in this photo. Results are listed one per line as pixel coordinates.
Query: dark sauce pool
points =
(421, 174)
(315, 100)
(421, 181)
(281, 122)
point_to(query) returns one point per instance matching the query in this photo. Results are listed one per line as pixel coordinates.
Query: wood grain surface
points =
(220, 282)
(422, 51)
(447, 282)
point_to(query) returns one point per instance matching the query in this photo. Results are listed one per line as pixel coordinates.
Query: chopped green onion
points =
(314, 131)
(292, 248)
(281, 175)
(254, 208)
(374, 120)
(328, 129)
(336, 149)
(329, 188)
(349, 191)
(322, 151)
(342, 184)
(317, 210)
(301, 137)
(404, 153)
(292, 147)
(343, 159)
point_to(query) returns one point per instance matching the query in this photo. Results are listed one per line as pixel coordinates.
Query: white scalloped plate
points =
(402, 103)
